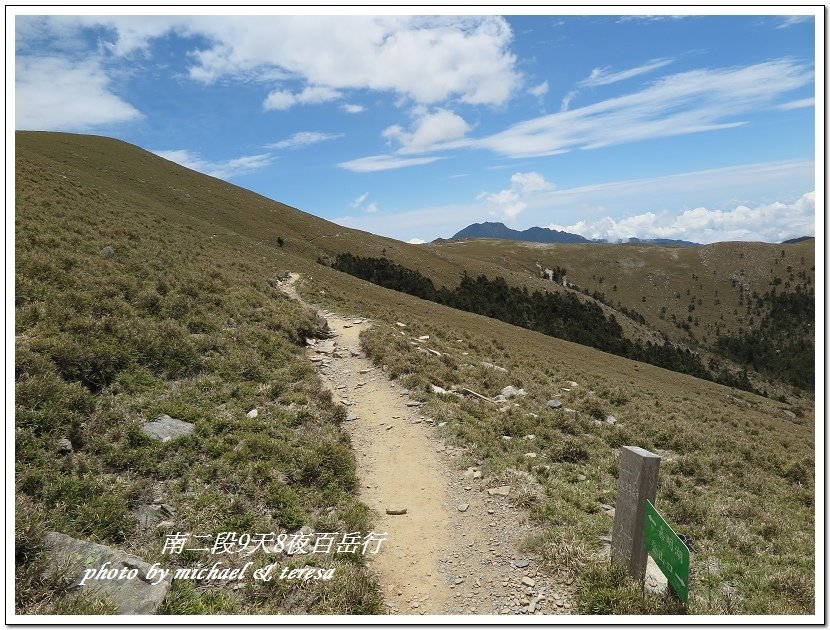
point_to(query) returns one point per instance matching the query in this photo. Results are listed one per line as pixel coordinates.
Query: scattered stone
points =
(64, 446)
(147, 515)
(108, 251)
(414, 403)
(511, 392)
(138, 596)
(608, 509)
(165, 428)
(789, 413)
(400, 325)
(494, 367)
(325, 347)
(395, 511)
(581, 477)
(415, 604)
(478, 474)
(529, 437)
(521, 563)
(554, 404)
(423, 338)
(438, 390)
(165, 525)
(611, 420)
(569, 410)
(442, 424)
(526, 581)
(253, 413)
(506, 438)
(352, 417)
(530, 455)
(655, 581)
(463, 507)
(501, 491)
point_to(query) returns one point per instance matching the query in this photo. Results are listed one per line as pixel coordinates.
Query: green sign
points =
(668, 551)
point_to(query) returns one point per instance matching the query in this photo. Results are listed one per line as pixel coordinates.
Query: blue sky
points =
(695, 127)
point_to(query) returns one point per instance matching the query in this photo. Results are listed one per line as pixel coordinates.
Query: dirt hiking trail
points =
(452, 551)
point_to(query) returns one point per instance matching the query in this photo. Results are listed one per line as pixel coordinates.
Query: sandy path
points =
(437, 559)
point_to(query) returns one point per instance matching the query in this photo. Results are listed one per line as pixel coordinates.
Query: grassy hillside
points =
(143, 288)
(130, 304)
(692, 296)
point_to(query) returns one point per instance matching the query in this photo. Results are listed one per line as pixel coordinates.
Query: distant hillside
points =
(796, 240)
(533, 235)
(666, 242)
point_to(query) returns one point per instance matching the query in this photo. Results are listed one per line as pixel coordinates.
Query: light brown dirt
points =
(436, 559)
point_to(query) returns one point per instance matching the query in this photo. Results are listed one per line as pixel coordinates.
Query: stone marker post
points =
(638, 482)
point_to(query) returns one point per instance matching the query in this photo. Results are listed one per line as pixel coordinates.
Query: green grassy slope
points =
(127, 307)
(184, 319)
(691, 296)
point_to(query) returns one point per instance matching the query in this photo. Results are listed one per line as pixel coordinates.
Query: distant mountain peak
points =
(490, 229)
(497, 230)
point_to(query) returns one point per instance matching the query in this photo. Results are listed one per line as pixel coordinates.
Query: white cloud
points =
(539, 90)
(601, 76)
(426, 59)
(688, 102)
(428, 130)
(566, 100)
(511, 201)
(792, 20)
(373, 163)
(226, 169)
(351, 108)
(773, 222)
(53, 93)
(370, 208)
(416, 241)
(749, 184)
(310, 95)
(359, 201)
(797, 104)
(303, 139)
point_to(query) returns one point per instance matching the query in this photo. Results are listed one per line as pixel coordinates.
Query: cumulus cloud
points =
(683, 103)
(416, 241)
(426, 59)
(226, 169)
(53, 93)
(373, 163)
(303, 139)
(773, 222)
(310, 95)
(511, 201)
(428, 130)
(351, 108)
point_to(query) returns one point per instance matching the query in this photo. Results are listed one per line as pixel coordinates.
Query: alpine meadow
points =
(277, 349)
